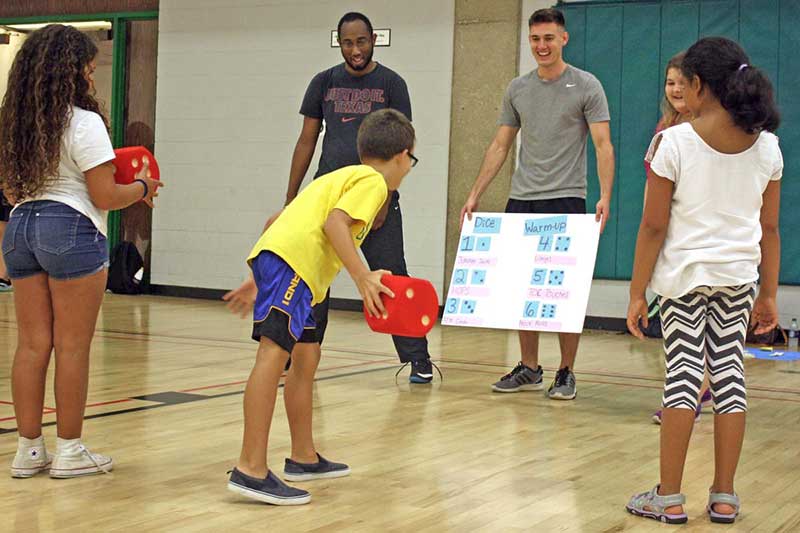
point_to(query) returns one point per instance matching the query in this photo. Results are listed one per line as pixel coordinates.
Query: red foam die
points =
(129, 161)
(413, 310)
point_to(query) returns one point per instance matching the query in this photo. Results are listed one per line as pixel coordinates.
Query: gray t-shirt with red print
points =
(342, 101)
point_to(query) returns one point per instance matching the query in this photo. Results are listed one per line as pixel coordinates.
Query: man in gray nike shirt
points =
(556, 107)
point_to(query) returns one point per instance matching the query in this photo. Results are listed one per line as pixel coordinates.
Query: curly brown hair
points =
(47, 78)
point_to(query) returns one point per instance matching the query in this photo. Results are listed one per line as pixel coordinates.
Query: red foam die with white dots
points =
(129, 162)
(413, 310)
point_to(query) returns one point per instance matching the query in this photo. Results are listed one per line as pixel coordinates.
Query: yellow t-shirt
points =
(297, 236)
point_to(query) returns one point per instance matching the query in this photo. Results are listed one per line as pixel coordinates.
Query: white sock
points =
(68, 446)
(24, 444)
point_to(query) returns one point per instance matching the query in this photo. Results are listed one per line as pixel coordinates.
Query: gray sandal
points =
(727, 499)
(651, 505)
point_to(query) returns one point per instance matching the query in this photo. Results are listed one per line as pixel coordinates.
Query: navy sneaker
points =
(268, 490)
(421, 371)
(294, 471)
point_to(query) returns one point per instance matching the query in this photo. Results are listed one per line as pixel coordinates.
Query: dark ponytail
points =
(743, 90)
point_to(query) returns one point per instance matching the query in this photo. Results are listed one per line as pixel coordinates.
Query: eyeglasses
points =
(414, 159)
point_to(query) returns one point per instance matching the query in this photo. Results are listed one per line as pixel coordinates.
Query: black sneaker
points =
(421, 371)
(521, 378)
(5, 285)
(294, 471)
(268, 490)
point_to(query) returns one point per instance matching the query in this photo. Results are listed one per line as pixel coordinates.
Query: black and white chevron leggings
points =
(703, 329)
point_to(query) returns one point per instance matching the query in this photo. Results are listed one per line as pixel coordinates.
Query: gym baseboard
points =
(349, 304)
(186, 292)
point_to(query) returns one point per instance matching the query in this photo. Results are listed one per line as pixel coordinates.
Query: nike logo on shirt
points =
(571, 85)
(348, 119)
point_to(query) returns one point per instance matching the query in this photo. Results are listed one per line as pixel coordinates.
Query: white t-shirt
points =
(84, 145)
(714, 228)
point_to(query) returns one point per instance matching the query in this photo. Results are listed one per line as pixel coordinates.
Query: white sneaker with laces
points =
(29, 461)
(79, 461)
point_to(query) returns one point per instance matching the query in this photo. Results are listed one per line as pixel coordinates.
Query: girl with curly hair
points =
(56, 168)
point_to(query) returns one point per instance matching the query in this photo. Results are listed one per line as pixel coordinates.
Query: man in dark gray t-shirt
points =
(342, 96)
(342, 101)
(555, 107)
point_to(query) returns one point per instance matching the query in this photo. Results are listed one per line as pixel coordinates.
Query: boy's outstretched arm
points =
(241, 299)
(337, 229)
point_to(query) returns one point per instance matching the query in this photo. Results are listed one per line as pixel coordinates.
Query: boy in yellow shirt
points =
(294, 263)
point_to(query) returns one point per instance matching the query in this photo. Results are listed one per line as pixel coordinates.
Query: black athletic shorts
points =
(565, 206)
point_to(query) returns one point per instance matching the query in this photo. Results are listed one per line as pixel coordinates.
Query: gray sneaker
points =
(521, 378)
(563, 386)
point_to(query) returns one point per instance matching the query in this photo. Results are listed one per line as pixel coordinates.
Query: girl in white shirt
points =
(55, 166)
(709, 231)
(674, 112)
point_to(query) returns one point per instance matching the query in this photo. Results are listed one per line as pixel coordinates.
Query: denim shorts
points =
(51, 237)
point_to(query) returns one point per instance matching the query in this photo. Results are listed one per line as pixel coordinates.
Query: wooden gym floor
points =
(165, 401)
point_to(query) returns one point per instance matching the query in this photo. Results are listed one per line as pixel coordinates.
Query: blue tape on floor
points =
(776, 354)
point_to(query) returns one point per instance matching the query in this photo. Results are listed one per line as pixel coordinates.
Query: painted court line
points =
(3, 431)
(111, 402)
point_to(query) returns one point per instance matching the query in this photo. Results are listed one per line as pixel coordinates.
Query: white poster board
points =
(522, 271)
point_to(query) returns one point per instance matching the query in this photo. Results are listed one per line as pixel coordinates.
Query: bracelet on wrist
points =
(144, 184)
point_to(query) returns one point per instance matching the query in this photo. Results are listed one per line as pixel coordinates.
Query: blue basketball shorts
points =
(282, 310)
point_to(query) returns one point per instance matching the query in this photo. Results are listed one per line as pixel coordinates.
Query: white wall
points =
(230, 83)
(103, 73)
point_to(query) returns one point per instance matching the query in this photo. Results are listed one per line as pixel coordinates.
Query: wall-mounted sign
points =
(384, 37)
